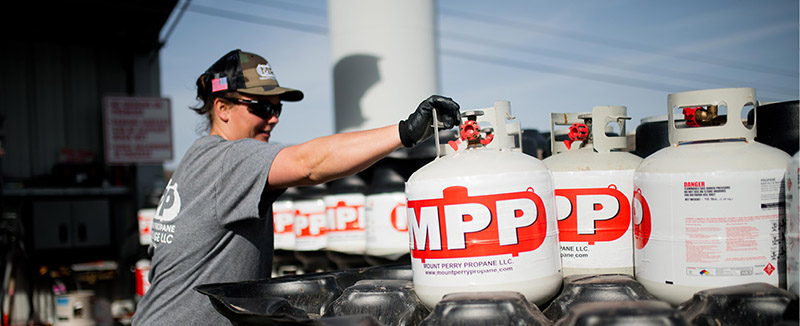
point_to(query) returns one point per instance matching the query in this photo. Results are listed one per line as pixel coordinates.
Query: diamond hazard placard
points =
(769, 269)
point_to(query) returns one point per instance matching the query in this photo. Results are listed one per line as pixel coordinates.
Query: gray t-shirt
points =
(213, 225)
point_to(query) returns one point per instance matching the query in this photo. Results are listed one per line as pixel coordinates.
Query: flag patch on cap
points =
(219, 84)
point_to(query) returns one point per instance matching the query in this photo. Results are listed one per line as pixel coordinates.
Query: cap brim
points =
(286, 94)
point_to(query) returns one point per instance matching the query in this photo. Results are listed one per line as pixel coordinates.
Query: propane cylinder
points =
(483, 218)
(310, 228)
(652, 135)
(283, 220)
(793, 224)
(145, 218)
(387, 221)
(593, 176)
(344, 208)
(283, 211)
(142, 273)
(706, 208)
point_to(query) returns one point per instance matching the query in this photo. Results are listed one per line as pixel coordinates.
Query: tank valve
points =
(472, 132)
(577, 131)
(703, 116)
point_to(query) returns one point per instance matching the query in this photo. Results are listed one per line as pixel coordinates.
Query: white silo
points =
(384, 60)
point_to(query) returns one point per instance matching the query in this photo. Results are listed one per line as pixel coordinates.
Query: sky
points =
(542, 56)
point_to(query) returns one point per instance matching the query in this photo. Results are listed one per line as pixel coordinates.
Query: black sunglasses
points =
(264, 109)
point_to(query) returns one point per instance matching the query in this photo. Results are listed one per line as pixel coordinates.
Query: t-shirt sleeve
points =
(244, 171)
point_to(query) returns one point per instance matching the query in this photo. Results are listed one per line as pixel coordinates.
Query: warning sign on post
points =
(137, 129)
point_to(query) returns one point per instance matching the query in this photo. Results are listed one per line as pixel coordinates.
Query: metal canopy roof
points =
(132, 23)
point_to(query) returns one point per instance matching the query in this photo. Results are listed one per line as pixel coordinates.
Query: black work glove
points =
(419, 125)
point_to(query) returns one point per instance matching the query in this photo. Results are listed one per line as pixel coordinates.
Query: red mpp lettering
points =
(458, 225)
(592, 214)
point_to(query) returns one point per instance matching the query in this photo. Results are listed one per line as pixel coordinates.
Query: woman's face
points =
(244, 123)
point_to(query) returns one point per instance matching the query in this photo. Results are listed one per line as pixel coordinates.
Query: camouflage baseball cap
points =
(246, 73)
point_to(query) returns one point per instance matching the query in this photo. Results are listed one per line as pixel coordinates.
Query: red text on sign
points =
(694, 183)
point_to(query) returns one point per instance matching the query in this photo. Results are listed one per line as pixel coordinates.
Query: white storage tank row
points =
(341, 224)
(704, 212)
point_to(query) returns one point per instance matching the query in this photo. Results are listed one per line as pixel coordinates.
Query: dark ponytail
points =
(205, 97)
(226, 66)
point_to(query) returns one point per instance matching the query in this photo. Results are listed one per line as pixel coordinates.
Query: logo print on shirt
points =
(170, 204)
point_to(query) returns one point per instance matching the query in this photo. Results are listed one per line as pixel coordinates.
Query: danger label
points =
(704, 228)
(698, 191)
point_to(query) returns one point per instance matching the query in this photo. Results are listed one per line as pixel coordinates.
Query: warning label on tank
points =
(770, 193)
(719, 271)
(698, 191)
(739, 234)
(707, 226)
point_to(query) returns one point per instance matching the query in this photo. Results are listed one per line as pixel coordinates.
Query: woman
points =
(214, 221)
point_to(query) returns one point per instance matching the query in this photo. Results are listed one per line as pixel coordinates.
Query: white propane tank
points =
(706, 208)
(310, 220)
(793, 224)
(142, 274)
(344, 207)
(594, 188)
(145, 220)
(483, 218)
(387, 222)
(283, 212)
(310, 229)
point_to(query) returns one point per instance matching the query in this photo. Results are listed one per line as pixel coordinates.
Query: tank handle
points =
(504, 133)
(436, 135)
(601, 117)
(562, 119)
(735, 99)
